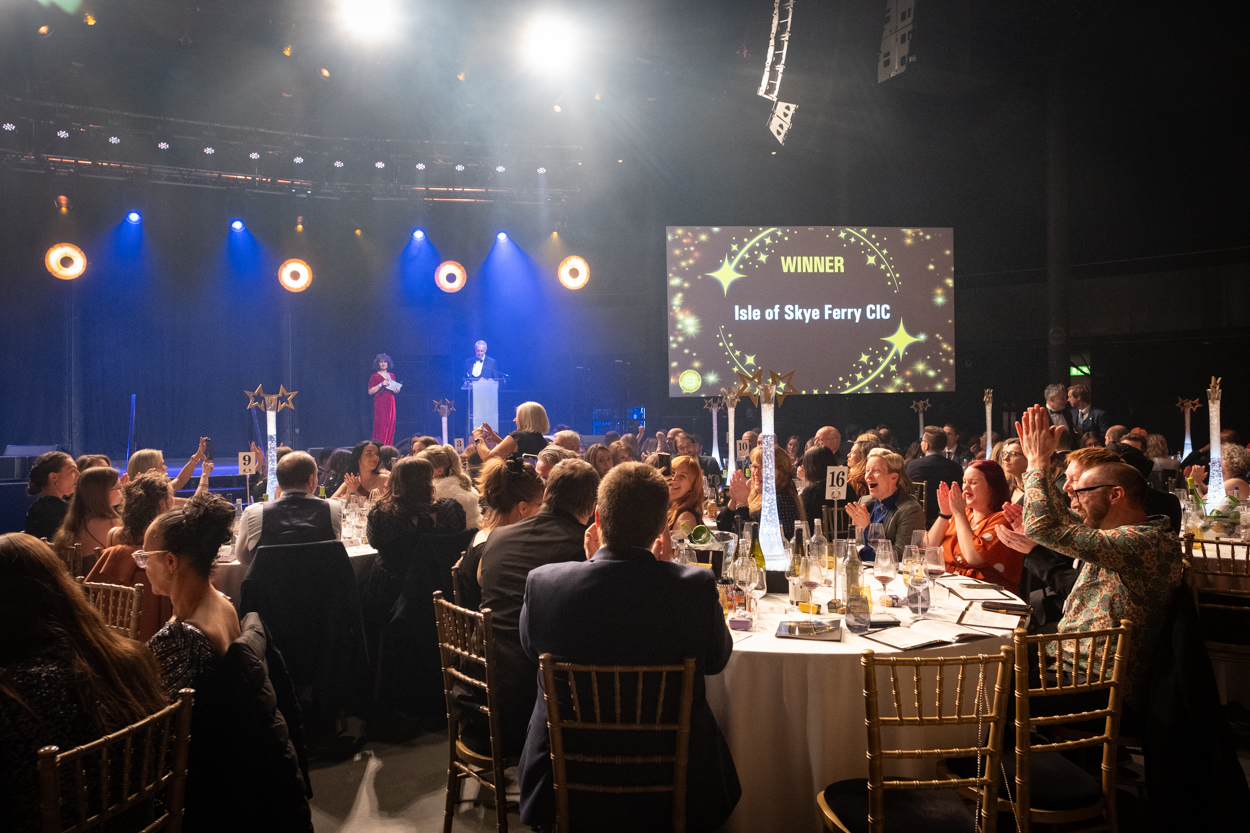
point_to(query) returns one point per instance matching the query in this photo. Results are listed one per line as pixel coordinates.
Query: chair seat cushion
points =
(915, 811)
(1055, 783)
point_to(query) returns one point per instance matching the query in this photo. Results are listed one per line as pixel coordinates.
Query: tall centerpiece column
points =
(271, 404)
(766, 395)
(731, 396)
(1215, 471)
(1188, 406)
(989, 422)
(443, 408)
(714, 404)
(920, 406)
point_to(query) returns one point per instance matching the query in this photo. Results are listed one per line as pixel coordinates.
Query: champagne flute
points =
(811, 574)
(886, 568)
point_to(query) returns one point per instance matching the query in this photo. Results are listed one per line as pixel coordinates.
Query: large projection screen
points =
(848, 309)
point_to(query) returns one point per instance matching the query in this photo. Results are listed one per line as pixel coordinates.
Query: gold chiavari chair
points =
(119, 605)
(1218, 577)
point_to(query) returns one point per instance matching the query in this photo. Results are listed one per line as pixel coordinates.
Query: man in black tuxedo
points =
(933, 468)
(552, 536)
(481, 366)
(1085, 417)
(954, 451)
(1057, 406)
(687, 445)
(626, 606)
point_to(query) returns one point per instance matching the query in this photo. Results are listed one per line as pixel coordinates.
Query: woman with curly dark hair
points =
(381, 383)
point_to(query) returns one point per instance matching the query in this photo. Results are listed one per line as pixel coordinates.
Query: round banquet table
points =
(228, 576)
(792, 712)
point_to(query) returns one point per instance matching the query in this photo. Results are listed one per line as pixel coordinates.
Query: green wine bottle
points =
(757, 553)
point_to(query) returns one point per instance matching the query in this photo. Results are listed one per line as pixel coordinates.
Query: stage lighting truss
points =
(450, 276)
(295, 275)
(65, 261)
(574, 272)
(774, 67)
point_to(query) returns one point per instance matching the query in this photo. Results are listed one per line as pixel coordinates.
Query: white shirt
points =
(477, 368)
(248, 533)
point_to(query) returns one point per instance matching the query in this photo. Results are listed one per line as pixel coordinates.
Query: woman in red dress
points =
(383, 400)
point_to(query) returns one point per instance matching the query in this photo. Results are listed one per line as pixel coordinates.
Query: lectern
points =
(484, 404)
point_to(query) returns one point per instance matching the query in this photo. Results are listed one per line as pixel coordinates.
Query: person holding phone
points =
(531, 423)
(381, 385)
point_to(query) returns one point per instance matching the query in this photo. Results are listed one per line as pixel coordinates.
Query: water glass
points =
(918, 592)
(858, 610)
(757, 588)
(885, 569)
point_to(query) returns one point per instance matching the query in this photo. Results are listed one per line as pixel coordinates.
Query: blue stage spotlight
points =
(134, 217)
(501, 236)
(237, 225)
(418, 235)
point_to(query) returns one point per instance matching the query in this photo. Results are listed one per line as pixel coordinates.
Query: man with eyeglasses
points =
(1131, 564)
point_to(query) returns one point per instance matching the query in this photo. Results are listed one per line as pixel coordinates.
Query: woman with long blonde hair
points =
(746, 499)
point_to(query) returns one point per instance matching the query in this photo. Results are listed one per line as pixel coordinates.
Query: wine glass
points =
(811, 574)
(912, 556)
(874, 535)
(934, 564)
(757, 587)
(917, 537)
(886, 568)
(792, 576)
(742, 578)
(917, 592)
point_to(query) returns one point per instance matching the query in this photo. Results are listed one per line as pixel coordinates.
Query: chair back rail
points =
(455, 580)
(612, 710)
(1086, 653)
(972, 703)
(1218, 578)
(162, 742)
(119, 605)
(465, 641)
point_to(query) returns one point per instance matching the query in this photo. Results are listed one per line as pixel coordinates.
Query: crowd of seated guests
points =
(999, 520)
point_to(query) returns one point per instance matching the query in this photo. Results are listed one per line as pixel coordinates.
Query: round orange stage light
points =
(65, 261)
(295, 275)
(450, 276)
(574, 272)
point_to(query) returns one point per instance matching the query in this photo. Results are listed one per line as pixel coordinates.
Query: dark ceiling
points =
(1149, 98)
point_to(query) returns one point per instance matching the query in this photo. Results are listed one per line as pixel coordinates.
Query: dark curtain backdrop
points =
(188, 315)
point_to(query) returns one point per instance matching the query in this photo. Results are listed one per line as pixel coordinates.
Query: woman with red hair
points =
(685, 494)
(967, 527)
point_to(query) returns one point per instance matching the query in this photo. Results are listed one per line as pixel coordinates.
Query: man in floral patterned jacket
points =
(1131, 564)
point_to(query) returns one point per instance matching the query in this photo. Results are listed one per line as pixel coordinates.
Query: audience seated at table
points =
(246, 769)
(451, 481)
(600, 458)
(622, 452)
(52, 479)
(152, 459)
(888, 502)
(932, 468)
(685, 495)
(552, 536)
(335, 469)
(967, 527)
(1236, 461)
(1156, 501)
(626, 606)
(295, 516)
(813, 472)
(531, 423)
(91, 516)
(856, 459)
(66, 678)
(550, 457)
(1131, 565)
(90, 461)
(147, 496)
(746, 498)
(364, 474)
(511, 491)
(1010, 459)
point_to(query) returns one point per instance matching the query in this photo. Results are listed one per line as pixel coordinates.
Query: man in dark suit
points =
(954, 451)
(687, 445)
(625, 606)
(831, 438)
(933, 468)
(552, 536)
(1057, 406)
(481, 366)
(1085, 417)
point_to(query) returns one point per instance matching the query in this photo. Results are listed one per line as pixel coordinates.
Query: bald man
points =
(831, 439)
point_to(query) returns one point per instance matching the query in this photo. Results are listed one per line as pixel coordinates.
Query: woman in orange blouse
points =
(966, 527)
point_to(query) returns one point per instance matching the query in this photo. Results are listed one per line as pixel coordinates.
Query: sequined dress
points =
(184, 654)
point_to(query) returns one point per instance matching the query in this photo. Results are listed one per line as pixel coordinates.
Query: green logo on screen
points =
(689, 381)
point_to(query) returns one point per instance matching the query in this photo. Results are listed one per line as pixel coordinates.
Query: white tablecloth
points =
(793, 714)
(228, 577)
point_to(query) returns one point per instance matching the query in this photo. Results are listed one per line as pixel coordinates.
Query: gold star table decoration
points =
(989, 410)
(1188, 406)
(920, 406)
(284, 397)
(443, 408)
(714, 404)
(780, 381)
(744, 385)
(1215, 469)
(255, 398)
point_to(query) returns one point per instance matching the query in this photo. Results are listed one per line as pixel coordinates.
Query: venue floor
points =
(396, 787)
